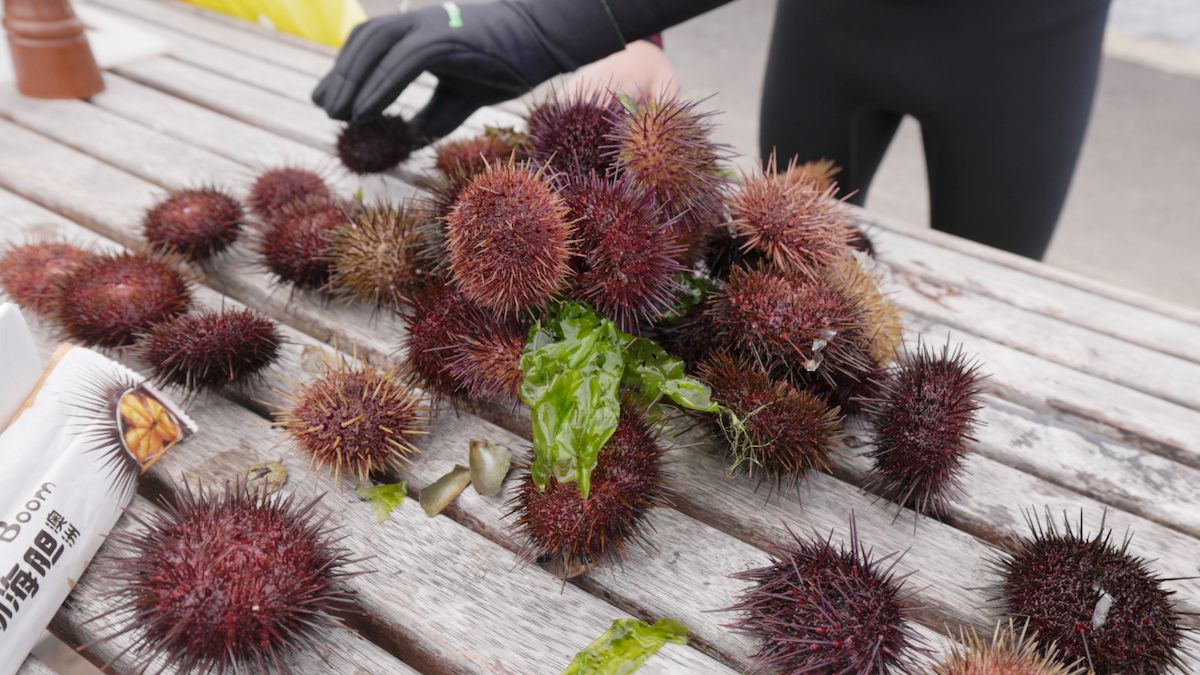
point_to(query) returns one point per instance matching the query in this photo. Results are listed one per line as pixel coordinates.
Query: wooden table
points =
(1094, 403)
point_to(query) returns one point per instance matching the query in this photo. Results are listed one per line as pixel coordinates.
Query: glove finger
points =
(444, 113)
(369, 43)
(394, 73)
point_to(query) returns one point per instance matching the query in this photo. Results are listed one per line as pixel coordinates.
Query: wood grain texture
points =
(35, 666)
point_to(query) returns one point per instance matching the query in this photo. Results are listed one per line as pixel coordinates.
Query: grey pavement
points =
(1133, 214)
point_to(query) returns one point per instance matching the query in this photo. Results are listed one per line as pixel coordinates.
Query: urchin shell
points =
(881, 316)
(377, 254)
(820, 608)
(790, 325)
(296, 247)
(1088, 594)
(211, 349)
(277, 189)
(376, 145)
(31, 274)
(474, 155)
(800, 228)
(227, 582)
(574, 534)
(355, 420)
(921, 427)
(454, 347)
(196, 224)
(789, 431)
(110, 300)
(1010, 652)
(571, 132)
(629, 260)
(509, 240)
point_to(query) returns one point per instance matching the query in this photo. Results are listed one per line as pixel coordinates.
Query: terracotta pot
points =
(50, 52)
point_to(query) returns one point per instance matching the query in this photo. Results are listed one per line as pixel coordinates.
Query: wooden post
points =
(50, 52)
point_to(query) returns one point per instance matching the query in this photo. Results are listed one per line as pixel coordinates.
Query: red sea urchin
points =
(801, 229)
(228, 582)
(376, 145)
(31, 273)
(570, 132)
(110, 300)
(820, 608)
(574, 534)
(628, 258)
(210, 349)
(921, 425)
(277, 189)
(790, 431)
(1098, 602)
(195, 224)
(355, 420)
(509, 239)
(296, 247)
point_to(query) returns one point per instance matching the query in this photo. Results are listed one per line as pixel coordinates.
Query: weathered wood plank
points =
(35, 666)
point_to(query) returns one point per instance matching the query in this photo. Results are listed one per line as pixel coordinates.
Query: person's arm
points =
(484, 53)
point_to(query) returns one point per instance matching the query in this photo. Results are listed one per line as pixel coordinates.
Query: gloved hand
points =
(481, 54)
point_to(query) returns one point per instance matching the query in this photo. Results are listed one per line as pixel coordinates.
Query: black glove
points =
(481, 54)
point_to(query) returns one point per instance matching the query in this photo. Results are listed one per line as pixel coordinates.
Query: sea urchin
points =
(820, 608)
(227, 582)
(1010, 652)
(570, 131)
(210, 349)
(1098, 602)
(377, 254)
(276, 189)
(196, 224)
(376, 145)
(30, 273)
(296, 247)
(355, 420)
(574, 534)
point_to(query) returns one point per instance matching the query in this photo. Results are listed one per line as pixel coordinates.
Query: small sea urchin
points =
(377, 254)
(474, 155)
(881, 316)
(921, 425)
(277, 189)
(1099, 603)
(31, 273)
(210, 349)
(376, 145)
(196, 224)
(798, 227)
(355, 420)
(790, 432)
(509, 239)
(110, 300)
(1010, 652)
(820, 608)
(820, 173)
(570, 132)
(296, 247)
(227, 582)
(574, 534)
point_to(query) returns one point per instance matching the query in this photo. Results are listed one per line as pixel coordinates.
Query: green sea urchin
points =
(377, 254)
(355, 420)
(110, 300)
(509, 239)
(227, 582)
(196, 224)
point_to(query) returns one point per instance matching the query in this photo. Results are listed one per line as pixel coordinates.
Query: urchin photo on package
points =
(76, 434)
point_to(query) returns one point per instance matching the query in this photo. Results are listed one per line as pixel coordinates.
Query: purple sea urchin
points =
(228, 582)
(110, 300)
(921, 426)
(376, 145)
(573, 533)
(296, 247)
(509, 240)
(355, 420)
(196, 224)
(210, 349)
(1098, 602)
(31, 273)
(570, 132)
(377, 254)
(277, 189)
(798, 227)
(1010, 652)
(790, 431)
(820, 608)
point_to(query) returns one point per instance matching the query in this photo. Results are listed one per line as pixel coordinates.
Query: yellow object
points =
(326, 21)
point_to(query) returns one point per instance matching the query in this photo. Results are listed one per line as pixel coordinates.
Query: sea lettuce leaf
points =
(625, 646)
